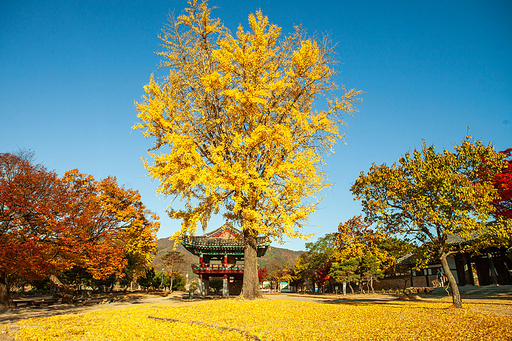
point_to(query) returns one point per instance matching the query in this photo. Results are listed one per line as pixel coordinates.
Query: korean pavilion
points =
(221, 255)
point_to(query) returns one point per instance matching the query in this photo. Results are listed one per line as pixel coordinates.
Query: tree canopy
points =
(314, 265)
(50, 224)
(235, 126)
(429, 195)
(363, 254)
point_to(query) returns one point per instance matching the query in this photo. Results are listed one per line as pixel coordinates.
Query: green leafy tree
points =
(178, 283)
(345, 271)
(149, 279)
(216, 284)
(395, 248)
(314, 264)
(429, 195)
(371, 267)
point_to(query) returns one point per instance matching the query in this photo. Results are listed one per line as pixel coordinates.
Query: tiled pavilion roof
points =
(224, 240)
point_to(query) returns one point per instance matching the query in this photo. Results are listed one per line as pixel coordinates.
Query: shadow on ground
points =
(111, 301)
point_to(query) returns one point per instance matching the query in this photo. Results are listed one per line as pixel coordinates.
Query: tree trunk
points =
(457, 301)
(250, 287)
(344, 288)
(5, 298)
(66, 292)
(494, 278)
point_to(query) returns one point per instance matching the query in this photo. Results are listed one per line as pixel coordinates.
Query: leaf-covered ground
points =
(275, 320)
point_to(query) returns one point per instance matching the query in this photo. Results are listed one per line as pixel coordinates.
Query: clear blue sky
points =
(70, 72)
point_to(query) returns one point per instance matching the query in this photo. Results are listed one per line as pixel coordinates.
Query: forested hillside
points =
(274, 257)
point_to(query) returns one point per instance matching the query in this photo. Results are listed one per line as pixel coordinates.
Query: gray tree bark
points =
(5, 298)
(67, 293)
(250, 286)
(457, 301)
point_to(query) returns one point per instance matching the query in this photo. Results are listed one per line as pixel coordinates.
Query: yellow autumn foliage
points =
(274, 320)
(235, 125)
(430, 195)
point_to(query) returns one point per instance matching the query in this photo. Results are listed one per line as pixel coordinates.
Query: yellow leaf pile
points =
(274, 320)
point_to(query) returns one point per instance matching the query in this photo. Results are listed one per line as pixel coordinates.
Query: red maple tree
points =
(322, 275)
(262, 274)
(503, 183)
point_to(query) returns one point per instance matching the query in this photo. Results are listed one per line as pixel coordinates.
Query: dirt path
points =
(9, 317)
(113, 301)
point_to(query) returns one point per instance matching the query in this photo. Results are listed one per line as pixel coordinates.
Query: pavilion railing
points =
(218, 267)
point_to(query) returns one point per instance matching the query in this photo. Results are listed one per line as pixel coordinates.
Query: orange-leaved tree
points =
(50, 224)
(235, 128)
(109, 224)
(33, 205)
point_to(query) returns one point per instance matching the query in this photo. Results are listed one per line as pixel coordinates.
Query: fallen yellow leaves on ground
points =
(274, 320)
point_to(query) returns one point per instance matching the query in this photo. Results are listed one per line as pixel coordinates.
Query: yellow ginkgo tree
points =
(235, 127)
(430, 195)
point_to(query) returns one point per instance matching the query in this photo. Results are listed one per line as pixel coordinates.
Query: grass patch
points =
(274, 320)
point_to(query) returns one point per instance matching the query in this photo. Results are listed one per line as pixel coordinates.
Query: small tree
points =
(322, 275)
(174, 261)
(304, 268)
(430, 195)
(178, 283)
(314, 264)
(284, 273)
(345, 271)
(216, 284)
(262, 274)
(368, 250)
(149, 279)
(372, 268)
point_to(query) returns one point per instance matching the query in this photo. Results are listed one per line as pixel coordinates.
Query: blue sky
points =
(70, 72)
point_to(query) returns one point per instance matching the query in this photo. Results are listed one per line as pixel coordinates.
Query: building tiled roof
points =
(406, 259)
(223, 231)
(451, 240)
(224, 239)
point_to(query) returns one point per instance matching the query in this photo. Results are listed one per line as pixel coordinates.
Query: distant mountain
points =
(164, 245)
(274, 257)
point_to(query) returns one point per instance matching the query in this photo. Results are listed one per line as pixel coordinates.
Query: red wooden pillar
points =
(200, 287)
(225, 288)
